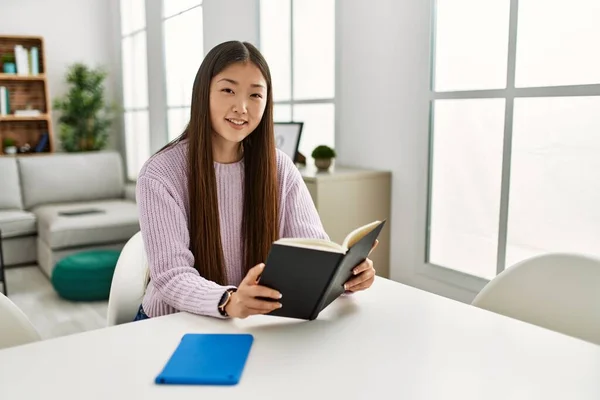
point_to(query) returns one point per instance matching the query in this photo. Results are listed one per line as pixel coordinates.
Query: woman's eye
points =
(226, 90)
(257, 95)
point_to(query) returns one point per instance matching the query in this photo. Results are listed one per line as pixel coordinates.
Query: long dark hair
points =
(260, 211)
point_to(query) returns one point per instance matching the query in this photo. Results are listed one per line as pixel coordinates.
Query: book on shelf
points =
(22, 60)
(34, 61)
(4, 101)
(42, 143)
(27, 113)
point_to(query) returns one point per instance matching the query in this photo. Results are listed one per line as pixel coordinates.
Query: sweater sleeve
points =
(164, 228)
(301, 217)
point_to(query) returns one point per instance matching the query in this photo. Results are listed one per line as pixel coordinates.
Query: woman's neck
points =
(227, 152)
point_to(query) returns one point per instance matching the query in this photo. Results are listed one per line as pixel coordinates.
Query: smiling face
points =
(238, 96)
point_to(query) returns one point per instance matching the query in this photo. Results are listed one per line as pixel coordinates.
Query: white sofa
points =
(34, 190)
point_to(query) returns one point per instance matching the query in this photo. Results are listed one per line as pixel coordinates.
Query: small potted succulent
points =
(323, 156)
(10, 146)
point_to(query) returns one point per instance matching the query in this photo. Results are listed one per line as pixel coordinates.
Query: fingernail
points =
(279, 305)
(280, 296)
(345, 286)
(262, 265)
(355, 271)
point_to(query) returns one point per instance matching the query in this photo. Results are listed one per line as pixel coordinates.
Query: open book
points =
(310, 273)
(326, 245)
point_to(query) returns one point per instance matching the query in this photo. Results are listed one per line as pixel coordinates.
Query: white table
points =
(392, 341)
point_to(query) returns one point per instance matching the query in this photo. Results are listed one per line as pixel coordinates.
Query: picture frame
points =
(287, 137)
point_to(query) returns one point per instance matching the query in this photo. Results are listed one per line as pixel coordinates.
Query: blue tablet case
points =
(207, 359)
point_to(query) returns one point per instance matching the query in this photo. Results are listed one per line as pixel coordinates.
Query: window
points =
(297, 38)
(515, 133)
(158, 76)
(183, 55)
(135, 84)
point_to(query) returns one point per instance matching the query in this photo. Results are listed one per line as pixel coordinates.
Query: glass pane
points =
(172, 7)
(554, 186)
(557, 43)
(282, 113)
(183, 55)
(275, 45)
(137, 141)
(135, 72)
(133, 15)
(314, 49)
(471, 44)
(465, 187)
(319, 126)
(178, 119)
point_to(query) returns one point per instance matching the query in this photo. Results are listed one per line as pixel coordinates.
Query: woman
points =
(213, 201)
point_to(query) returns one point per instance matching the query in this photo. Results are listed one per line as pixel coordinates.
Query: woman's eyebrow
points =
(237, 83)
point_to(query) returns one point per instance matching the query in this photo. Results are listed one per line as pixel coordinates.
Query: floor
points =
(32, 292)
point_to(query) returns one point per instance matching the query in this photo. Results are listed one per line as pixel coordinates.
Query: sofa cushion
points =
(117, 222)
(85, 276)
(10, 189)
(66, 177)
(14, 223)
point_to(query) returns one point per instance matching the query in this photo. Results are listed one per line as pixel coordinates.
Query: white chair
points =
(128, 283)
(557, 291)
(16, 329)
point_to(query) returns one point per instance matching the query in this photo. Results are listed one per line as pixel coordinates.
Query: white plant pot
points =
(10, 150)
(323, 164)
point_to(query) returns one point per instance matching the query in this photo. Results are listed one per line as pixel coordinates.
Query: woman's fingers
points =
(263, 291)
(353, 284)
(261, 305)
(253, 275)
(363, 285)
(362, 267)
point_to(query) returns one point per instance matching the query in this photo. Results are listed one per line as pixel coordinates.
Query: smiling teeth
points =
(237, 122)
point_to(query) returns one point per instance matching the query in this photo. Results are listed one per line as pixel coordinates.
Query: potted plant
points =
(85, 117)
(8, 63)
(323, 156)
(10, 146)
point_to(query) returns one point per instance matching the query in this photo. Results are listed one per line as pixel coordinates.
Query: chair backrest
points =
(556, 291)
(16, 327)
(128, 283)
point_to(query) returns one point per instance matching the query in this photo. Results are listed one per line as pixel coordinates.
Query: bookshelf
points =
(26, 91)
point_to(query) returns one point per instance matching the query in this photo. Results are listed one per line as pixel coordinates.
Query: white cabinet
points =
(347, 198)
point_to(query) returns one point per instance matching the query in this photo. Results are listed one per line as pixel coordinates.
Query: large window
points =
(297, 38)
(515, 123)
(183, 56)
(135, 84)
(161, 51)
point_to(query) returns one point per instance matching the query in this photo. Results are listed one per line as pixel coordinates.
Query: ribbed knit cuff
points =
(210, 301)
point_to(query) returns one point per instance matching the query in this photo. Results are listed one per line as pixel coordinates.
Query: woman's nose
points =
(239, 106)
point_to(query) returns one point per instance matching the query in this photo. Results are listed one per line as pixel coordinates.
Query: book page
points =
(316, 244)
(358, 234)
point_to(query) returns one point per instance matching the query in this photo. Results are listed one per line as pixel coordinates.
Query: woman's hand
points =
(364, 275)
(244, 301)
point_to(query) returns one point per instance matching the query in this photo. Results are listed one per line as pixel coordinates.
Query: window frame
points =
(157, 82)
(510, 93)
(292, 102)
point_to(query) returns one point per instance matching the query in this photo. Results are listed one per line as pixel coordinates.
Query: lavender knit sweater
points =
(162, 194)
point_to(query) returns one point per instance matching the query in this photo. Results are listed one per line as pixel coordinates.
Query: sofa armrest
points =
(130, 191)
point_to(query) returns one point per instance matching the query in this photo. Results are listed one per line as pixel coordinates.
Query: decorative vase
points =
(9, 68)
(10, 150)
(323, 164)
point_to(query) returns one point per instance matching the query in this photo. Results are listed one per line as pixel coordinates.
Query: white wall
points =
(73, 31)
(230, 20)
(382, 91)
